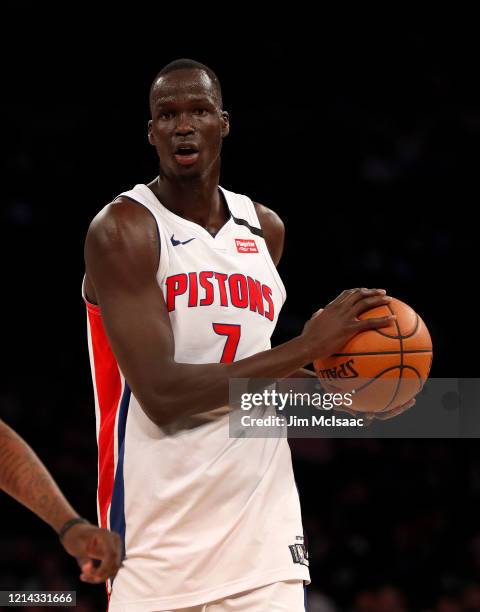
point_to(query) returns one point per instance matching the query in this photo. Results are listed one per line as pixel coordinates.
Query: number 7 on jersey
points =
(233, 333)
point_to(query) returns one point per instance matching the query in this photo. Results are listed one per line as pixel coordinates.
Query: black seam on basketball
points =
(401, 359)
(372, 380)
(409, 367)
(400, 336)
(367, 384)
(414, 329)
(420, 383)
(381, 353)
(379, 375)
(327, 381)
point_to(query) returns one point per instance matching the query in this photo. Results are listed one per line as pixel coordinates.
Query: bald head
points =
(207, 76)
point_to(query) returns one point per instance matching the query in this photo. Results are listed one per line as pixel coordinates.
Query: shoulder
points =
(273, 230)
(120, 222)
(122, 236)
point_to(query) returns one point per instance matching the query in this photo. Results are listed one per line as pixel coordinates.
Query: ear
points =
(225, 124)
(151, 138)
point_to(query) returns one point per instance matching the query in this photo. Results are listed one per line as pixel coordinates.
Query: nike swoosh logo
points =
(177, 242)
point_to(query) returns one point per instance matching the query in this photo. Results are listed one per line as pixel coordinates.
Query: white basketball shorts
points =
(287, 596)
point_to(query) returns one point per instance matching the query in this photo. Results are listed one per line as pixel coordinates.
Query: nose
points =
(184, 125)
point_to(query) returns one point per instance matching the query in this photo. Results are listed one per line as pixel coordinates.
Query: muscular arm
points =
(25, 478)
(121, 256)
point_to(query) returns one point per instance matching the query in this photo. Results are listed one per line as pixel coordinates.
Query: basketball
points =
(382, 368)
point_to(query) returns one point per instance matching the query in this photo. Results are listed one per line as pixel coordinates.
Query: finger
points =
(344, 295)
(87, 567)
(389, 414)
(95, 545)
(105, 549)
(350, 411)
(374, 323)
(108, 552)
(359, 294)
(366, 303)
(92, 578)
(105, 572)
(368, 417)
(88, 573)
(101, 573)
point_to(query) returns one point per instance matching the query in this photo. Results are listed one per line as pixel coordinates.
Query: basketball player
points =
(25, 478)
(183, 294)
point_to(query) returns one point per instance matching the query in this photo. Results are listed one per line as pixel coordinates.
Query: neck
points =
(197, 200)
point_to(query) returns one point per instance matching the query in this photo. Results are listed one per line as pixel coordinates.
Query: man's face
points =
(187, 124)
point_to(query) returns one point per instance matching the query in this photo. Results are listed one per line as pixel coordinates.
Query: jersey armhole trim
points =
(266, 252)
(163, 257)
(94, 308)
(123, 195)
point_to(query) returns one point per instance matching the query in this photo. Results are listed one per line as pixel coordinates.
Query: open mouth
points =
(186, 154)
(185, 150)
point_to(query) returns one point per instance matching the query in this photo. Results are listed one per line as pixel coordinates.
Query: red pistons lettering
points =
(208, 287)
(176, 285)
(238, 290)
(256, 295)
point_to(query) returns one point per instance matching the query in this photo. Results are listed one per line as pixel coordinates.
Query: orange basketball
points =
(382, 368)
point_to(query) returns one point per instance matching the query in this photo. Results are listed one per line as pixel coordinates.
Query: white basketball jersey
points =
(202, 515)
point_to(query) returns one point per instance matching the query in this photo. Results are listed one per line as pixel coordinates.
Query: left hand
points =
(380, 416)
(393, 412)
(97, 551)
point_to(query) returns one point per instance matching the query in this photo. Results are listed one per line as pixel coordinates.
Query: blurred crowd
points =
(392, 524)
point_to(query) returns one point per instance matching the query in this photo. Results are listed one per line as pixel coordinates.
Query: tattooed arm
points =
(25, 478)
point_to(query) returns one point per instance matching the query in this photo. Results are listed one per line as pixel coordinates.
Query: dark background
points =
(366, 142)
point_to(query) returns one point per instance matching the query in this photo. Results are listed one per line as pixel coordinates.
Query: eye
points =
(200, 111)
(165, 115)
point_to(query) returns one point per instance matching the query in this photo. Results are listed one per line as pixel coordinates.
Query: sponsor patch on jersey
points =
(246, 246)
(299, 554)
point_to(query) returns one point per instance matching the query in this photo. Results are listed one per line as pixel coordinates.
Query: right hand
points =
(98, 551)
(331, 327)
